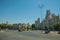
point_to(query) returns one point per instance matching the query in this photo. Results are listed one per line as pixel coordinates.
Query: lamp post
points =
(58, 23)
(41, 7)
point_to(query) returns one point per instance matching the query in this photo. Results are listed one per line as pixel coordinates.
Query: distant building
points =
(16, 26)
(49, 20)
(37, 23)
(6, 22)
(28, 25)
(21, 26)
(48, 15)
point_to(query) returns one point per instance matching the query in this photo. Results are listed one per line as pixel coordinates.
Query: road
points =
(31, 35)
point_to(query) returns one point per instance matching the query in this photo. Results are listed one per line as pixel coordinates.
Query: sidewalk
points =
(54, 33)
(1, 30)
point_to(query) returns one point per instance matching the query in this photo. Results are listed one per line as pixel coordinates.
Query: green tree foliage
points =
(33, 26)
(3, 26)
(56, 26)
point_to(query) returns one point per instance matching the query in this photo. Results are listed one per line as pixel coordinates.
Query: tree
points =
(3, 26)
(33, 26)
(56, 26)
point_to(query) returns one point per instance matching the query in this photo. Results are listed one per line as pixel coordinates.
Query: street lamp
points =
(41, 7)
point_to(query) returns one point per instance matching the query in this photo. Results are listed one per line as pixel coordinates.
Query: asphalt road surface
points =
(31, 35)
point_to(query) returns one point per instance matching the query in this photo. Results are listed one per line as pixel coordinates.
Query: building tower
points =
(48, 17)
(37, 23)
(48, 14)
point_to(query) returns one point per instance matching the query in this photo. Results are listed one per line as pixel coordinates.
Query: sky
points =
(24, 11)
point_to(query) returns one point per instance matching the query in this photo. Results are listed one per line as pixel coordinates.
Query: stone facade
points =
(49, 20)
(37, 23)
